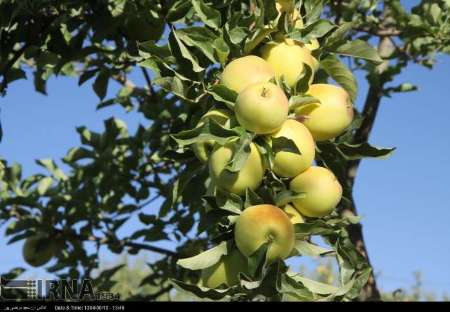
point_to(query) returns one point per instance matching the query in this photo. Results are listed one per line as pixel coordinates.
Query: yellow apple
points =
(250, 176)
(288, 58)
(261, 108)
(288, 164)
(329, 118)
(265, 224)
(226, 271)
(203, 150)
(293, 214)
(39, 249)
(323, 192)
(245, 71)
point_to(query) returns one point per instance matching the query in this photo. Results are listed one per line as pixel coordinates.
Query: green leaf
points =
(185, 53)
(178, 10)
(51, 166)
(359, 49)
(207, 14)
(298, 100)
(241, 152)
(285, 197)
(258, 36)
(147, 219)
(341, 74)
(86, 75)
(337, 36)
(305, 79)
(307, 249)
(200, 38)
(14, 74)
(313, 10)
(434, 12)
(206, 259)
(152, 65)
(362, 150)
(178, 187)
(100, 85)
(252, 199)
(283, 144)
(150, 47)
(221, 50)
(229, 202)
(40, 82)
(295, 290)
(209, 130)
(318, 29)
(404, 87)
(314, 286)
(257, 261)
(44, 185)
(237, 35)
(176, 86)
(353, 288)
(222, 94)
(315, 227)
(202, 292)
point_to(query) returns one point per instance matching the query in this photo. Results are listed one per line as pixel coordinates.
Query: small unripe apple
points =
(250, 176)
(293, 214)
(329, 118)
(226, 271)
(265, 224)
(289, 164)
(38, 250)
(262, 108)
(203, 150)
(288, 58)
(245, 71)
(323, 192)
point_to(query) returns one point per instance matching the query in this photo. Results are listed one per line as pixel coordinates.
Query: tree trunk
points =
(370, 291)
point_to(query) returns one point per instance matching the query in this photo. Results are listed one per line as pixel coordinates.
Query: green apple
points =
(39, 249)
(226, 271)
(245, 71)
(329, 118)
(261, 224)
(288, 57)
(323, 192)
(203, 150)
(293, 214)
(250, 176)
(288, 164)
(262, 108)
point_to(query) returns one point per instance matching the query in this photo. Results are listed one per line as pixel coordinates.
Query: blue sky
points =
(403, 200)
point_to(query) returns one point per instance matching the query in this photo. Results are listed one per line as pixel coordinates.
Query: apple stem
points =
(265, 92)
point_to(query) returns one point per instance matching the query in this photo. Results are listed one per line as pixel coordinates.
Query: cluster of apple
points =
(262, 108)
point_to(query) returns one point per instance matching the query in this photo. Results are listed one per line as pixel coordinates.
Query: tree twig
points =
(150, 248)
(147, 79)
